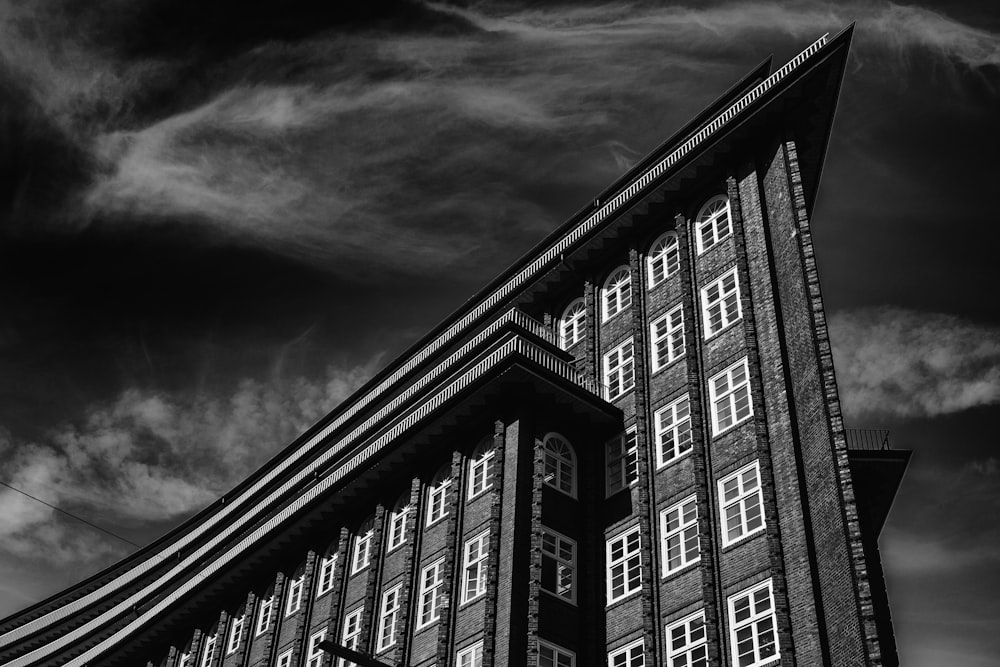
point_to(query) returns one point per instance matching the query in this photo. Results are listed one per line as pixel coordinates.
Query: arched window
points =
(397, 522)
(437, 494)
(560, 464)
(480, 468)
(713, 222)
(363, 544)
(664, 259)
(616, 295)
(571, 324)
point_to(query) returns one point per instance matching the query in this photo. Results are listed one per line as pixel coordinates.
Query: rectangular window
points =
(431, 593)
(679, 535)
(687, 642)
(362, 551)
(619, 370)
(208, 652)
(729, 393)
(666, 335)
(471, 656)
(741, 502)
(437, 508)
(184, 660)
(551, 655)
(264, 615)
(479, 474)
(294, 596)
(672, 431)
(720, 303)
(235, 635)
(632, 655)
(558, 565)
(325, 582)
(352, 634)
(315, 655)
(474, 567)
(624, 564)
(753, 626)
(622, 456)
(388, 617)
(397, 528)
(285, 659)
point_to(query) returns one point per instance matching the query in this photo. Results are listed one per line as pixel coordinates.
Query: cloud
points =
(151, 457)
(906, 363)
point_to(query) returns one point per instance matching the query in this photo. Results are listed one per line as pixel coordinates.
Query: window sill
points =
(742, 539)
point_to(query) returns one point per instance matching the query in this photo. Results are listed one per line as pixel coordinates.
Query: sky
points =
(218, 219)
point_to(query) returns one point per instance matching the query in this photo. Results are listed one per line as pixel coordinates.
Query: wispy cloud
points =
(905, 363)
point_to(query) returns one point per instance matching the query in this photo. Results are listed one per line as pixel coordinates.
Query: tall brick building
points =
(626, 450)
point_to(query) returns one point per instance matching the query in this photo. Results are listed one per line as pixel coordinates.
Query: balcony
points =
(877, 471)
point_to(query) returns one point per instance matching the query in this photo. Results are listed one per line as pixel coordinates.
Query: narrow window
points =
(664, 259)
(672, 430)
(325, 583)
(285, 659)
(632, 655)
(713, 223)
(622, 458)
(388, 618)
(560, 464)
(729, 392)
(624, 565)
(687, 642)
(352, 634)
(617, 293)
(471, 656)
(558, 565)
(474, 567)
(431, 593)
(294, 596)
(552, 655)
(363, 546)
(208, 652)
(264, 616)
(752, 626)
(397, 525)
(720, 303)
(437, 496)
(479, 469)
(315, 655)
(679, 535)
(666, 338)
(572, 324)
(235, 635)
(741, 502)
(184, 660)
(619, 370)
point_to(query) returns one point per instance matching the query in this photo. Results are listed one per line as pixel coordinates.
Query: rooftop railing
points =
(867, 439)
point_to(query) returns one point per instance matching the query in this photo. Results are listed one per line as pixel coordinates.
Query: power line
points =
(71, 515)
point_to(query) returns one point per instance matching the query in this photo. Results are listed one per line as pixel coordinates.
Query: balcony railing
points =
(867, 439)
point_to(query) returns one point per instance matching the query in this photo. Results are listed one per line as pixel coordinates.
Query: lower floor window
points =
(687, 642)
(550, 655)
(632, 655)
(471, 656)
(752, 626)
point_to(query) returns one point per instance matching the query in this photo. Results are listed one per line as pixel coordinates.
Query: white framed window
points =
(431, 593)
(666, 338)
(208, 651)
(264, 616)
(558, 565)
(633, 655)
(235, 634)
(663, 260)
(687, 642)
(388, 618)
(351, 635)
(315, 656)
(397, 527)
(617, 293)
(553, 655)
(729, 394)
(720, 303)
(325, 582)
(184, 660)
(294, 601)
(624, 564)
(741, 502)
(622, 461)
(572, 324)
(362, 555)
(480, 479)
(713, 223)
(753, 626)
(285, 659)
(619, 370)
(672, 431)
(437, 496)
(474, 564)
(470, 656)
(679, 535)
(560, 464)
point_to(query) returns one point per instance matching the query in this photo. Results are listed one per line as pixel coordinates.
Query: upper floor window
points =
(397, 523)
(552, 655)
(622, 461)
(558, 564)
(352, 634)
(720, 303)
(235, 634)
(633, 655)
(474, 567)
(679, 535)
(471, 656)
(325, 582)
(713, 223)
(560, 464)
(617, 293)
(729, 394)
(208, 653)
(294, 596)
(624, 563)
(431, 593)
(741, 502)
(388, 618)
(479, 468)
(666, 337)
(363, 546)
(687, 642)
(264, 616)
(619, 370)
(572, 324)
(672, 430)
(285, 659)
(437, 496)
(314, 654)
(664, 259)
(753, 626)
